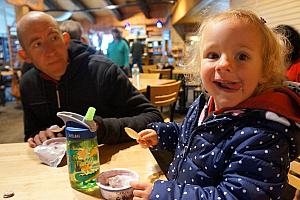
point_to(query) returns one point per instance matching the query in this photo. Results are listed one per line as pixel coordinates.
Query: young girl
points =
(239, 143)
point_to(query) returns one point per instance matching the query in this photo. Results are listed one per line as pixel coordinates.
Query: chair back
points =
(150, 75)
(164, 95)
(146, 68)
(294, 173)
(164, 73)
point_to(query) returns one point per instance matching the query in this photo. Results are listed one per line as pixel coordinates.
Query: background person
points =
(236, 142)
(137, 51)
(293, 57)
(118, 51)
(69, 77)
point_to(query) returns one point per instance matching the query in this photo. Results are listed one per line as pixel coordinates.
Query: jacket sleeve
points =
(167, 134)
(256, 169)
(30, 128)
(123, 100)
(32, 124)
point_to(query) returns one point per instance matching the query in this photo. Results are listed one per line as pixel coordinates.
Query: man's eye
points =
(243, 57)
(212, 56)
(54, 37)
(36, 44)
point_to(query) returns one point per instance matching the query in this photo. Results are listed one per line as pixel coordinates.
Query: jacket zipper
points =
(184, 152)
(58, 98)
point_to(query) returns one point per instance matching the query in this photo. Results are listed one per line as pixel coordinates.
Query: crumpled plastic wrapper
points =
(52, 151)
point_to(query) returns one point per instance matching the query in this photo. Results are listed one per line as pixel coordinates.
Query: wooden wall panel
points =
(275, 12)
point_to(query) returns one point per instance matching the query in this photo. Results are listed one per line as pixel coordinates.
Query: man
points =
(137, 51)
(69, 77)
(118, 51)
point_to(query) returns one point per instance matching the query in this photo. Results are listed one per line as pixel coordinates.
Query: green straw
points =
(89, 116)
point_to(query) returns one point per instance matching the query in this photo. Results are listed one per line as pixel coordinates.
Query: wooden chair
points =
(164, 73)
(150, 75)
(164, 95)
(294, 173)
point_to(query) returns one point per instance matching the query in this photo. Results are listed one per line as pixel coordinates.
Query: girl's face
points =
(231, 66)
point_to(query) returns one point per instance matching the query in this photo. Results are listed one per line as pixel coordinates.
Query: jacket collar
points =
(282, 101)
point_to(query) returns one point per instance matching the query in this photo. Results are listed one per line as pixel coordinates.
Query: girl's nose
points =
(224, 64)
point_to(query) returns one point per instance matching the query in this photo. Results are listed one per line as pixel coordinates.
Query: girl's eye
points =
(212, 56)
(243, 57)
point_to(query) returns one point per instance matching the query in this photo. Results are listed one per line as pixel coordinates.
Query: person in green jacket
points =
(118, 51)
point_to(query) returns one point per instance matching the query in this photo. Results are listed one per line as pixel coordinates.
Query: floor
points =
(11, 123)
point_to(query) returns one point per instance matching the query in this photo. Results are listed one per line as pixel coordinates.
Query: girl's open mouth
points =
(228, 85)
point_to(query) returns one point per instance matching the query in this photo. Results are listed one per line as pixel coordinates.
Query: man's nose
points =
(224, 64)
(49, 49)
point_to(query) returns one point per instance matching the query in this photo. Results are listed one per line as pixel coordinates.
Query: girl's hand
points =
(147, 138)
(141, 191)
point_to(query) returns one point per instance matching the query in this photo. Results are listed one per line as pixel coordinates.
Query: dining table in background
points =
(23, 174)
(144, 82)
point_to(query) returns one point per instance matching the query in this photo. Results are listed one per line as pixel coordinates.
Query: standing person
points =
(68, 77)
(236, 142)
(293, 44)
(118, 51)
(137, 51)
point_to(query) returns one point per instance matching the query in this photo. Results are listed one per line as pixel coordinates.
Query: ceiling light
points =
(111, 7)
(159, 24)
(127, 26)
(60, 16)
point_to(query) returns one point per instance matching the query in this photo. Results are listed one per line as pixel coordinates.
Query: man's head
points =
(73, 28)
(43, 43)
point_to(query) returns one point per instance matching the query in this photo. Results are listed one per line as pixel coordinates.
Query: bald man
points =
(68, 77)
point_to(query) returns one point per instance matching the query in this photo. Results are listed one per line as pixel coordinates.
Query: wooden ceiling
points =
(93, 11)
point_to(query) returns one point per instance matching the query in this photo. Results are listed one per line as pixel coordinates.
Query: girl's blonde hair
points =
(273, 53)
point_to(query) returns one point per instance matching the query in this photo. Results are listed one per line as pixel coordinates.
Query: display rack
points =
(13, 45)
(4, 51)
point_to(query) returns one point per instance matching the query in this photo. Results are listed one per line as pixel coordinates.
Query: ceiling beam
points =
(52, 5)
(116, 11)
(144, 8)
(88, 14)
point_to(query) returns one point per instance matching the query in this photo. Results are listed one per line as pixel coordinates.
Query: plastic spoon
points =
(133, 134)
(56, 129)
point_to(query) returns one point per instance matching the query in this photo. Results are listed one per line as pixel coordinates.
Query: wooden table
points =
(7, 73)
(22, 172)
(179, 70)
(144, 82)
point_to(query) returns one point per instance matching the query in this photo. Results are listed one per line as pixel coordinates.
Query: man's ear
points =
(24, 56)
(66, 37)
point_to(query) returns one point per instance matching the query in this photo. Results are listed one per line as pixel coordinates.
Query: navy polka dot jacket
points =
(239, 154)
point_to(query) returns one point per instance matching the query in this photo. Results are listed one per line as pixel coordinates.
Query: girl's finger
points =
(138, 193)
(137, 185)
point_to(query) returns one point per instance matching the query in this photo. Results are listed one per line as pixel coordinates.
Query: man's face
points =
(45, 47)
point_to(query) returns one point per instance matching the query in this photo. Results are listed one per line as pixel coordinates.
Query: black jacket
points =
(90, 80)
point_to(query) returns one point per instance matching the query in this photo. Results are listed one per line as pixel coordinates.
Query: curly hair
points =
(273, 52)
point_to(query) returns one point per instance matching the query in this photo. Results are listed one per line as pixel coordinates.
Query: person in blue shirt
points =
(118, 51)
(240, 135)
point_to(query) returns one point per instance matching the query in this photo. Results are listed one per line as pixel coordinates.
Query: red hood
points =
(282, 101)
